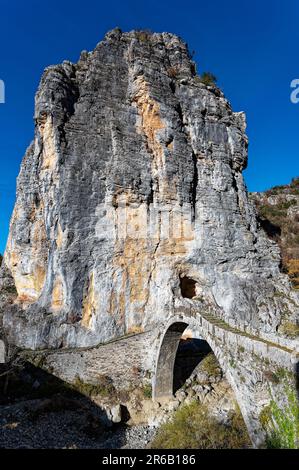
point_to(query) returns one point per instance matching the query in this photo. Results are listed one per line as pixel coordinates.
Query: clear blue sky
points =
(251, 46)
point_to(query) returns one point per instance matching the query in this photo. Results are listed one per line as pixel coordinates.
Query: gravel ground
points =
(138, 437)
(40, 424)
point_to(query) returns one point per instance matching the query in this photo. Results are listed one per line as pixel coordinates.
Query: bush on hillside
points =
(192, 427)
(207, 78)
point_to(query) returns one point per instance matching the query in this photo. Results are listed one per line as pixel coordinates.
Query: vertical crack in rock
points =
(194, 186)
(235, 186)
(90, 303)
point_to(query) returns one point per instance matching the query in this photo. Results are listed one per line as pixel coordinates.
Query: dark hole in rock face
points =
(188, 287)
(190, 353)
(125, 415)
(272, 230)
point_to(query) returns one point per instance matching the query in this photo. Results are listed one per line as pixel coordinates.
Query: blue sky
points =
(251, 46)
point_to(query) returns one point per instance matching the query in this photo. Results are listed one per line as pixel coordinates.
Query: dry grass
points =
(210, 365)
(173, 72)
(193, 428)
(289, 329)
(293, 271)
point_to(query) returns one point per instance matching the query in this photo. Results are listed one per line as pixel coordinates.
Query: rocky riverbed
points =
(33, 424)
(37, 411)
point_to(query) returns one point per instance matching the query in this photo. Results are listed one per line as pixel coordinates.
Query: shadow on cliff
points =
(38, 410)
(273, 231)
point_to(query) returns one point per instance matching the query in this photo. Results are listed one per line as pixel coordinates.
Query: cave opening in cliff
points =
(179, 356)
(188, 287)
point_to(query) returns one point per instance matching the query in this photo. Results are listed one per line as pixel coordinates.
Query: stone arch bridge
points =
(251, 365)
(261, 373)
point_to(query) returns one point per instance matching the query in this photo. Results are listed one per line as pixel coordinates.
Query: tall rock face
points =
(131, 203)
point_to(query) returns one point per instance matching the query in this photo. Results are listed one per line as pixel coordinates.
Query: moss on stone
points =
(147, 390)
(265, 417)
(103, 387)
(232, 363)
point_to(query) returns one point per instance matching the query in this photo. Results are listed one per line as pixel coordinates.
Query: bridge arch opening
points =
(178, 356)
(191, 351)
(212, 386)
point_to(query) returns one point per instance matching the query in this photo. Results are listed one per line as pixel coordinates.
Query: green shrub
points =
(289, 329)
(285, 426)
(207, 78)
(143, 35)
(193, 428)
(265, 417)
(147, 391)
(295, 183)
(282, 422)
(210, 364)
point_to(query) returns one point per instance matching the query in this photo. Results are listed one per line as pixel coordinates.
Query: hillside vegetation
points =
(193, 427)
(278, 210)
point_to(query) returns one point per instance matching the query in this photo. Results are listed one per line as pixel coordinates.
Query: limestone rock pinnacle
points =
(131, 189)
